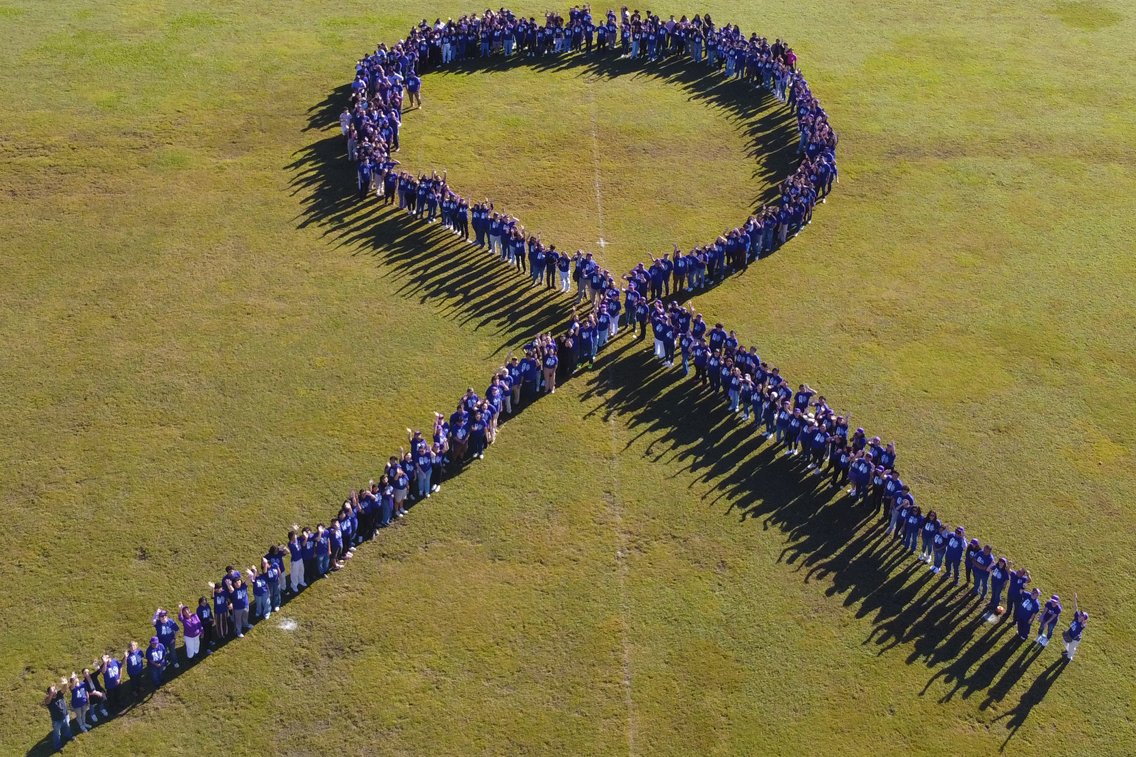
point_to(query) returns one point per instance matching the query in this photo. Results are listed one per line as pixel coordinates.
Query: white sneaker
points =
(437, 488)
(240, 635)
(810, 466)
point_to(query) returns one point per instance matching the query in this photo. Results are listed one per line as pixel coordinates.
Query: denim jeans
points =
(953, 565)
(928, 546)
(274, 595)
(911, 540)
(60, 729)
(939, 559)
(996, 593)
(323, 563)
(423, 483)
(981, 582)
(262, 606)
(734, 398)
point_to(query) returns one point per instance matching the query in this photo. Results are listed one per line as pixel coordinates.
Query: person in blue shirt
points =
(549, 364)
(1048, 622)
(239, 601)
(1072, 637)
(793, 433)
(262, 607)
(413, 88)
(156, 660)
(166, 629)
(913, 528)
(1025, 611)
(135, 664)
(939, 544)
(477, 436)
(981, 563)
(956, 545)
(110, 668)
(999, 573)
(205, 615)
(930, 528)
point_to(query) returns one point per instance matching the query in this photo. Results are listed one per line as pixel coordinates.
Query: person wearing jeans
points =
(166, 629)
(956, 543)
(980, 563)
(1049, 615)
(56, 704)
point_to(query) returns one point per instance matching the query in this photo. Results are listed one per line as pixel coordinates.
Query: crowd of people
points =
(648, 300)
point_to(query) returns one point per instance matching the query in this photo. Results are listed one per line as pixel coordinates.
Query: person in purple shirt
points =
(191, 630)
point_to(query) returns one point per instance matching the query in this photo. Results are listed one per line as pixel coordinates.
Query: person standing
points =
(156, 659)
(1072, 637)
(999, 574)
(240, 604)
(56, 704)
(191, 630)
(111, 669)
(1025, 611)
(167, 629)
(80, 702)
(981, 563)
(221, 608)
(135, 661)
(205, 615)
(296, 553)
(1049, 615)
(956, 544)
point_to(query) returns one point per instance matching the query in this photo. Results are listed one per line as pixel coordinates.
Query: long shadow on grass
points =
(470, 286)
(690, 430)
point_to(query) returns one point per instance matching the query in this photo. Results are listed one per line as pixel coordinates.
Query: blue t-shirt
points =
(156, 655)
(113, 674)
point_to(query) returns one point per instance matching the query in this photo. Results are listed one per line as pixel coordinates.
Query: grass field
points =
(204, 341)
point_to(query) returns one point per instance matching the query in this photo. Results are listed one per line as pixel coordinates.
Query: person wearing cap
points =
(972, 549)
(156, 659)
(956, 543)
(167, 629)
(1072, 637)
(1049, 615)
(981, 563)
(1025, 611)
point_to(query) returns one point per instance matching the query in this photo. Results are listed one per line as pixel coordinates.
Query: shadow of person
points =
(1032, 697)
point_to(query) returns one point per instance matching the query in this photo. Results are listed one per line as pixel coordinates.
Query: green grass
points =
(203, 344)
